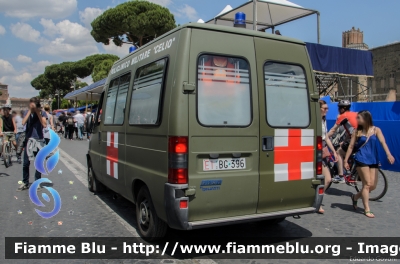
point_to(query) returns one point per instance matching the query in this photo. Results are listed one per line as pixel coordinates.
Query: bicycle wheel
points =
(7, 155)
(381, 187)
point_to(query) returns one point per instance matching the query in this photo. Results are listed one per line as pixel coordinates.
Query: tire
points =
(382, 187)
(93, 184)
(151, 227)
(7, 155)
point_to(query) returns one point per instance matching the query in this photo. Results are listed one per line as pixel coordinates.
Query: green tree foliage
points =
(101, 70)
(132, 22)
(63, 76)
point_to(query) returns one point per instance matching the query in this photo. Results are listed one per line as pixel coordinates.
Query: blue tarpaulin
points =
(328, 59)
(386, 116)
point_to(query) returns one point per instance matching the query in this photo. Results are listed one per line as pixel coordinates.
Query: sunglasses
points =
(325, 108)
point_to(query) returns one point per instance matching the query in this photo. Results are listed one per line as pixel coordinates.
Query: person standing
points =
(80, 120)
(364, 141)
(70, 126)
(49, 124)
(35, 121)
(326, 143)
(88, 123)
(66, 132)
(20, 136)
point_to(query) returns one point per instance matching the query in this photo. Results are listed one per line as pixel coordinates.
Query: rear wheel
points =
(381, 187)
(150, 226)
(93, 184)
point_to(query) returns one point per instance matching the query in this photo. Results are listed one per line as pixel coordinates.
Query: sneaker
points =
(336, 179)
(23, 187)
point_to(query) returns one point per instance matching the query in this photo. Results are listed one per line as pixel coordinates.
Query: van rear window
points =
(223, 97)
(147, 94)
(287, 102)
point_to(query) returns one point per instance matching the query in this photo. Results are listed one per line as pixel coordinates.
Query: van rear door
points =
(223, 126)
(287, 138)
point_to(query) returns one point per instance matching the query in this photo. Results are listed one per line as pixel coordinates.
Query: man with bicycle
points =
(349, 126)
(8, 126)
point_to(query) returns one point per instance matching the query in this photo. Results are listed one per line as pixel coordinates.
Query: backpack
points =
(70, 121)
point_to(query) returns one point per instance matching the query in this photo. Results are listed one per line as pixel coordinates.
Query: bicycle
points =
(353, 179)
(7, 150)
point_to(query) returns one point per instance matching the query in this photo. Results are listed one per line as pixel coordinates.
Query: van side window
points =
(116, 100)
(224, 97)
(147, 94)
(286, 95)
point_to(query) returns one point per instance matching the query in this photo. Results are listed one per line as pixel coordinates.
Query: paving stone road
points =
(105, 215)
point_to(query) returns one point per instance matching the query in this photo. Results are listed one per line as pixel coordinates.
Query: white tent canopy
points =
(264, 13)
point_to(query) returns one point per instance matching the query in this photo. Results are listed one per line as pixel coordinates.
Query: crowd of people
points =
(31, 127)
(361, 140)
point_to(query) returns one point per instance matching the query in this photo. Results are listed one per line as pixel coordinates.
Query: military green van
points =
(210, 125)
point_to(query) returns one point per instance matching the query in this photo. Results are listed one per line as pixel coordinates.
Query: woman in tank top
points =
(365, 143)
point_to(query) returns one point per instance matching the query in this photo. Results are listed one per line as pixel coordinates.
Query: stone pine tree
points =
(135, 22)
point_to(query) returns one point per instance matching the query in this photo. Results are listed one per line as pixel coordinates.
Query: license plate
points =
(224, 164)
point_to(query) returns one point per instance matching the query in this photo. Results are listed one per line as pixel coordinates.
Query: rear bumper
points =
(177, 218)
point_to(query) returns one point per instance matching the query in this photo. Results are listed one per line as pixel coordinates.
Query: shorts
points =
(9, 138)
(371, 166)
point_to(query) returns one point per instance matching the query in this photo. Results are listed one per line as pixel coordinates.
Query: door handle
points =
(267, 143)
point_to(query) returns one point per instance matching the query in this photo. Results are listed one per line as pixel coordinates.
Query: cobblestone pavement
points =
(104, 215)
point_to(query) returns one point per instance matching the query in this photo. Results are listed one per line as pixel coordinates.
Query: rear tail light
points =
(319, 156)
(178, 160)
(321, 191)
(183, 204)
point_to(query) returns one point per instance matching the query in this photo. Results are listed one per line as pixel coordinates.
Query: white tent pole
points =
(255, 15)
(318, 34)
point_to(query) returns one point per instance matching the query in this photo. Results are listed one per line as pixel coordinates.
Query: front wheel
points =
(381, 187)
(150, 226)
(7, 155)
(93, 184)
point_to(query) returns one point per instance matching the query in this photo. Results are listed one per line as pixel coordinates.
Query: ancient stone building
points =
(354, 39)
(386, 81)
(4, 92)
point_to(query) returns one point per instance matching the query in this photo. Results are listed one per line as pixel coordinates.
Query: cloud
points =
(161, 2)
(119, 51)
(59, 47)
(72, 40)
(26, 32)
(2, 30)
(187, 11)
(88, 15)
(23, 58)
(6, 67)
(71, 32)
(38, 8)
(19, 81)
(37, 68)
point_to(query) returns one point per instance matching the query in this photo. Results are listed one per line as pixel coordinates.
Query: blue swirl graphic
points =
(40, 159)
(35, 199)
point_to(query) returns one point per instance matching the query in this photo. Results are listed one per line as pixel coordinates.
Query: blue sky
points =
(37, 33)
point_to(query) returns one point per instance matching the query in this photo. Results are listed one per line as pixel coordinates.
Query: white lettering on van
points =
(120, 67)
(140, 57)
(163, 46)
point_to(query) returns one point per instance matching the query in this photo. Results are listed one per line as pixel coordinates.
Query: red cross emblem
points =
(294, 154)
(112, 154)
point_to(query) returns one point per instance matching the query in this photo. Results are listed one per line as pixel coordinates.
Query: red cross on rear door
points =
(294, 154)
